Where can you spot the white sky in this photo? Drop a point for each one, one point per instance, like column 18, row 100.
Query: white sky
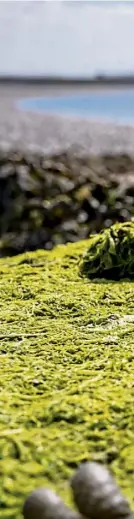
column 67, row 38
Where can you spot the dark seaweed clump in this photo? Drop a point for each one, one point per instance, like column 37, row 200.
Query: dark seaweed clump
column 111, row 253
column 45, row 201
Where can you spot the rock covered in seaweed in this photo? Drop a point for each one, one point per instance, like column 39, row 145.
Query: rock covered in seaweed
column 110, row 253
column 49, row 199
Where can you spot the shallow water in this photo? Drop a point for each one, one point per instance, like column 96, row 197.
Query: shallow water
column 115, row 105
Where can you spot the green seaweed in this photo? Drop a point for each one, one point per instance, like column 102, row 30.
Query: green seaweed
column 111, row 253
column 66, row 375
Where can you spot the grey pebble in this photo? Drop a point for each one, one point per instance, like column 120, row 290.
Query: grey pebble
column 97, row 495
column 43, row 503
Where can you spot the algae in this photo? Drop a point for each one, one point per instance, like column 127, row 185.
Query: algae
column 66, row 374
column 111, row 253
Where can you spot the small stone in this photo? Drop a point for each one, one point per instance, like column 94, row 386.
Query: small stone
column 97, row 495
column 6, row 170
column 45, row 504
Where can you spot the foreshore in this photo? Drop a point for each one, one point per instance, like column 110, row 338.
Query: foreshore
column 51, row 134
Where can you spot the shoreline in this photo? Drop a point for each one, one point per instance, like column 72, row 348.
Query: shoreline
column 49, row 134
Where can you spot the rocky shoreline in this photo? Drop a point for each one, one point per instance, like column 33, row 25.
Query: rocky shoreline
column 46, row 200
column 51, row 134
column 61, row 178
column 48, row 134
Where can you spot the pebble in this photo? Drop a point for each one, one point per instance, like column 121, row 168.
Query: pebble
column 97, row 495
column 45, row 504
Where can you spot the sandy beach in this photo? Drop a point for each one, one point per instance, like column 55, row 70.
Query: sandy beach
column 53, row 134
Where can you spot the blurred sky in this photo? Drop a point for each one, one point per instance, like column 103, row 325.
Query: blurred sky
column 66, row 37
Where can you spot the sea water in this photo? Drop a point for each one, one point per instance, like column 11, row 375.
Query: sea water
column 106, row 104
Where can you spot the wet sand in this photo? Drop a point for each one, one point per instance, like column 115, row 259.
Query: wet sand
column 50, row 134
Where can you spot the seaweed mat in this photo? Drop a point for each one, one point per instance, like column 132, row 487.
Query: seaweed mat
column 66, row 374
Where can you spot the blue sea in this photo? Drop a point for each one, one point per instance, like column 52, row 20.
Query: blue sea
column 114, row 105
